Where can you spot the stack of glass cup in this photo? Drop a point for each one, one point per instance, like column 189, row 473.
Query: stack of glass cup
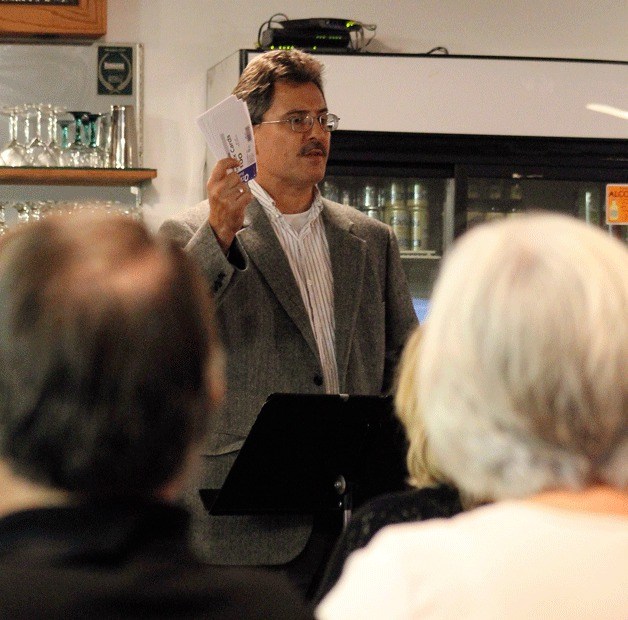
column 45, row 135
column 23, row 211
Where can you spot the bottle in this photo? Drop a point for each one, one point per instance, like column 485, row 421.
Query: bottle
column 613, row 211
column 495, row 191
column 473, row 190
column 516, row 193
column 589, row 205
column 346, row 198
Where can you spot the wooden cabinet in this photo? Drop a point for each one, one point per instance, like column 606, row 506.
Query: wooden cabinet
column 70, row 19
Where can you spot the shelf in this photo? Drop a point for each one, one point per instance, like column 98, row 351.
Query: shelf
column 420, row 255
column 75, row 176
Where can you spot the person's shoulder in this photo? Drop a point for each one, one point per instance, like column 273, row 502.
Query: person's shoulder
column 413, row 504
column 178, row 588
column 360, row 221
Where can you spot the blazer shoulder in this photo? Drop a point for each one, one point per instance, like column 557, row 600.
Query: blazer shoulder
column 355, row 216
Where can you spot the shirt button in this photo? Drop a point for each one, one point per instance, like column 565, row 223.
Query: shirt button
column 318, row 380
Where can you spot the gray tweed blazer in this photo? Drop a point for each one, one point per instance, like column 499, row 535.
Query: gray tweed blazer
column 271, row 348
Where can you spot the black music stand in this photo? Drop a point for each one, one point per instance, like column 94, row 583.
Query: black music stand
column 311, row 453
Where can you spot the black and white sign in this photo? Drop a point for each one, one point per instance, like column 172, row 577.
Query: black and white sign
column 115, row 70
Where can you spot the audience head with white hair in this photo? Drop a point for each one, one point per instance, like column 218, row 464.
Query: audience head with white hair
column 519, row 389
column 523, row 376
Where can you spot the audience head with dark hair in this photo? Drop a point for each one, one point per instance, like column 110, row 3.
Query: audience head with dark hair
column 109, row 363
column 110, row 371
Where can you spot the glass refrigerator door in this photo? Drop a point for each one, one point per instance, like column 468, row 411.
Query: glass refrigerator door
column 431, row 188
column 418, row 209
column 487, row 193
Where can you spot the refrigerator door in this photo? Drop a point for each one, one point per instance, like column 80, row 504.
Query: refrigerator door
column 485, row 193
column 419, row 210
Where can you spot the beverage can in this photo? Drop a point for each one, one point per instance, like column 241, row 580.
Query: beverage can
column 419, row 231
column 375, row 212
column 367, row 197
column 417, row 193
column 400, row 223
column 418, row 208
column 396, row 193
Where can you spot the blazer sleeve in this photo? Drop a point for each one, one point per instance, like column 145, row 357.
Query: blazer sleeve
column 193, row 233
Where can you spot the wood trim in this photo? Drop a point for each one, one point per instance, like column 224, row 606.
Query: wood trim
column 75, row 176
column 87, row 20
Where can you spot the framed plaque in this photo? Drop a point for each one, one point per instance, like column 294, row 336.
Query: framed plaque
column 40, row 19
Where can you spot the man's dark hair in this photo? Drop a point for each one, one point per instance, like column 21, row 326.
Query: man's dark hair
column 257, row 82
column 106, row 340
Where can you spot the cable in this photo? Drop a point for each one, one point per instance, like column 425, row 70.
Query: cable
column 439, row 50
column 268, row 24
column 371, row 28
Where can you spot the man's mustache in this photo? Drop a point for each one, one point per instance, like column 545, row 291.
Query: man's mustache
column 314, row 145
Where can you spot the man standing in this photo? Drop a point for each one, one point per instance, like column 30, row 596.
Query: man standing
column 311, row 296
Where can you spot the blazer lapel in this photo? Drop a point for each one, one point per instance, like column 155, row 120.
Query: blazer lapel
column 348, row 258
column 264, row 250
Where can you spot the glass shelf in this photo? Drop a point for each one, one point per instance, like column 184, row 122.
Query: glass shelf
column 420, row 255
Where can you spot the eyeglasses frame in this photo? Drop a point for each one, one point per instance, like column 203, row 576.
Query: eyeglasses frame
column 335, row 120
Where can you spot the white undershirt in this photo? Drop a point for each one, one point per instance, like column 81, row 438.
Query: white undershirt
column 302, row 237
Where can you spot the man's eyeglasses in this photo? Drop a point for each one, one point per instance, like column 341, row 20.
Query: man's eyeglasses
column 304, row 122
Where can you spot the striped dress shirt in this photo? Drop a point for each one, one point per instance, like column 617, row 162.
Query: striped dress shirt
column 305, row 245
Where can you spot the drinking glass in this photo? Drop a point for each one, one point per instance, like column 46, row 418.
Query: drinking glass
column 53, row 113
column 104, row 138
column 38, row 152
column 96, row 155
column 65, row 155
column 3, row 220
column 77, row 154
column 13, row 153
column 23, row 212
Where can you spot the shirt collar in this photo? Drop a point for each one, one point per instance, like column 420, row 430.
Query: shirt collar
column 269, row 206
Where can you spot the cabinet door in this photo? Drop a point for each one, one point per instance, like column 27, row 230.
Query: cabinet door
column 68, row 19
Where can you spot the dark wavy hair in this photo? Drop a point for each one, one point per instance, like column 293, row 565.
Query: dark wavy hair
column 257, row 82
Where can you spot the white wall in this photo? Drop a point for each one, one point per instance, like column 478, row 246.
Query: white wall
column 183, row 38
